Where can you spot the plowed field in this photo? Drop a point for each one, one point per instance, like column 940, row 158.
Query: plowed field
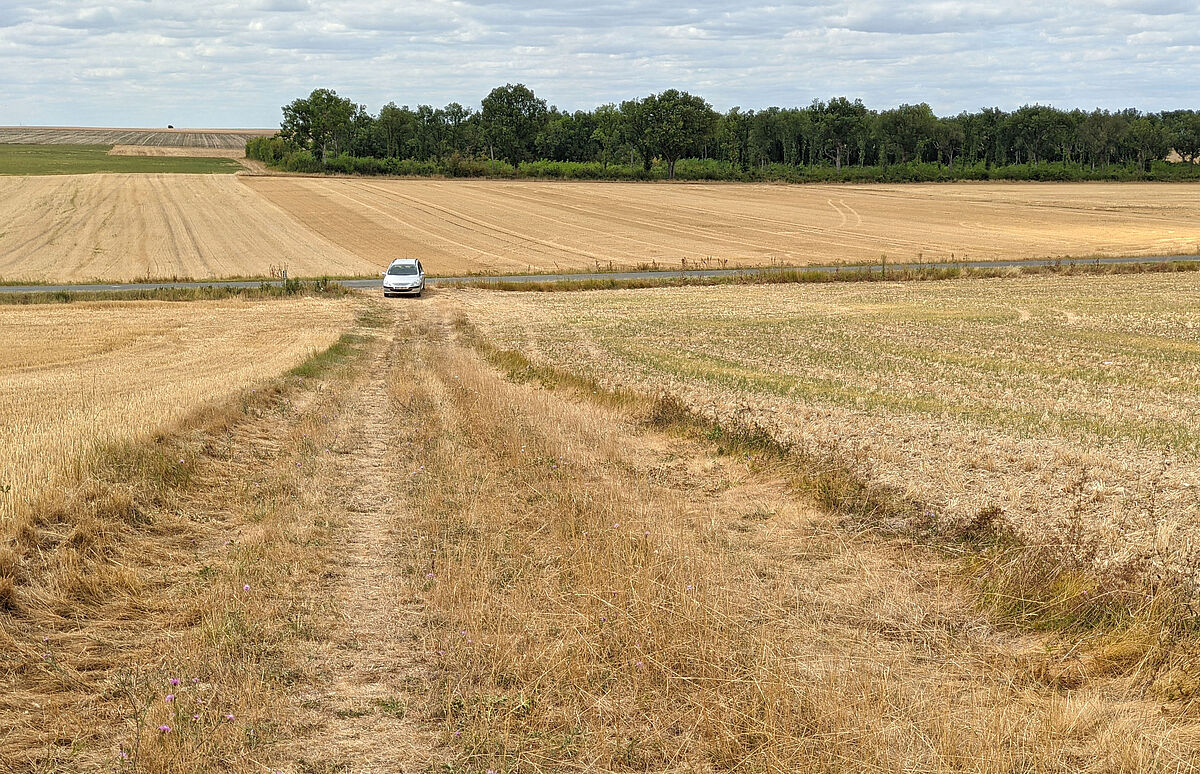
column 123, row 227
column 465, row 226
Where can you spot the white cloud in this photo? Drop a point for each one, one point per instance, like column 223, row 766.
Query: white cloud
column 229, row 63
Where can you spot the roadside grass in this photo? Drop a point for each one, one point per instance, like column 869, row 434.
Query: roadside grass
column 289, row 289
column 88, row 159
column 1130, row 627
column 150, row 611
column 852, row 273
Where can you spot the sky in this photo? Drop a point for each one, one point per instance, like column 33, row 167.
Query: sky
column 148, row 63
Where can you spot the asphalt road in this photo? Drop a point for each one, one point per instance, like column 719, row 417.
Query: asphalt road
column 618, row 275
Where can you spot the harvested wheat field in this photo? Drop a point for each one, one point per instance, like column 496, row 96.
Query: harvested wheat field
column 76, row 228
column 492, row 226
column 172, row 151
column 183, row 138
column 75, row 378
column 1069, row 404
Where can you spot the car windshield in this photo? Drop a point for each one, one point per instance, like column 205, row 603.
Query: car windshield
column 403, row 268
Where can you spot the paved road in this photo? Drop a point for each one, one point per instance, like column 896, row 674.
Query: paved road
column 619, row 275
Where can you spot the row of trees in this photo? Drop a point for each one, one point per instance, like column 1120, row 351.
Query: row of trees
column 514, row 125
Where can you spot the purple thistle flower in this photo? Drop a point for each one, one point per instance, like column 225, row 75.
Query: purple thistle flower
column 229, row 716
column 165, row 729
column 246, row 587
column 429, row 575
column 174, row 681
column 169, row 698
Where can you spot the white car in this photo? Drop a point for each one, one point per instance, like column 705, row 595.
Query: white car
column 405, row 275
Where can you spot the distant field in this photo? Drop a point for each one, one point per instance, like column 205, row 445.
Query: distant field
column 494, row 226
column 171, row 151
column 202, row 138
column 74, row 377
column 124, row 227
column 1068, row 403
column 88, row 159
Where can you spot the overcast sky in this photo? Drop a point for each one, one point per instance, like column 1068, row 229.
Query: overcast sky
column 233, row 64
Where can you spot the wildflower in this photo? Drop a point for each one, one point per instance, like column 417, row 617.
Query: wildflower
column 45, row 639
column 647, row 533
column 618, row 524
column 169, row 698
column 246, row 587
column 165, row 729
column 429, row 575
column 229, row 716
column 195, row 717
column 124, row 755
column 690, row 587
column 638, row 664
column 181, row 461
column 174, row 681
column 195, row 679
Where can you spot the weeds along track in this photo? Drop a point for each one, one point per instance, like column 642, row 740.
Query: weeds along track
column 166, row 603
column 1067, row 404
column 599, row 595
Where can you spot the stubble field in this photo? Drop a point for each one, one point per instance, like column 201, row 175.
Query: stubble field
column 76, row 378
column 494, row 226
column 1069, row 404
column 117, row 227
column 76, row 228
column 182, row 138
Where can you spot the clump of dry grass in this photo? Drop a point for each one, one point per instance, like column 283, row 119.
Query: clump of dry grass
column 597, row 600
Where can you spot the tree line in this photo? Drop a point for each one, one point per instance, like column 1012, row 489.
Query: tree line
column 513, row 129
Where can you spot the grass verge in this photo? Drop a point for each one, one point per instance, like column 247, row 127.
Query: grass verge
column 898, row 273
column 291, row 288
column 16, row 159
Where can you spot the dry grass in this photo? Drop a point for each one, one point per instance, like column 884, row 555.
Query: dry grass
column 181, row 138
column 155, row 604
column 1068, row 404
column 493, row 226
column 601, row 597
column 95, row 375
column 78, row 228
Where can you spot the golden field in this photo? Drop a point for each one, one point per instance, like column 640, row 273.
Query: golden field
column 81, row 377
column 125, row 227
column 1069, row 404
column 78, row 228
column 496, row 226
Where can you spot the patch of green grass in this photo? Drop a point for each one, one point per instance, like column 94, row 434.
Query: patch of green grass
column 85, row 159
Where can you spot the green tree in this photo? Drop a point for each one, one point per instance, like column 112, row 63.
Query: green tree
column 948, row 138
column 907, row 130
column 676, row 123
column 320, row 123
column 1150, row 140
column 841, row 123
column 511, row 119
column 609, row 133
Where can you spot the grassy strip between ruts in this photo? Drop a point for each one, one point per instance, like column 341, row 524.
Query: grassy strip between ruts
column 149, row 614
column 1116, row 627
column 877, row 273
column 87, row 159
column 290, row 288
